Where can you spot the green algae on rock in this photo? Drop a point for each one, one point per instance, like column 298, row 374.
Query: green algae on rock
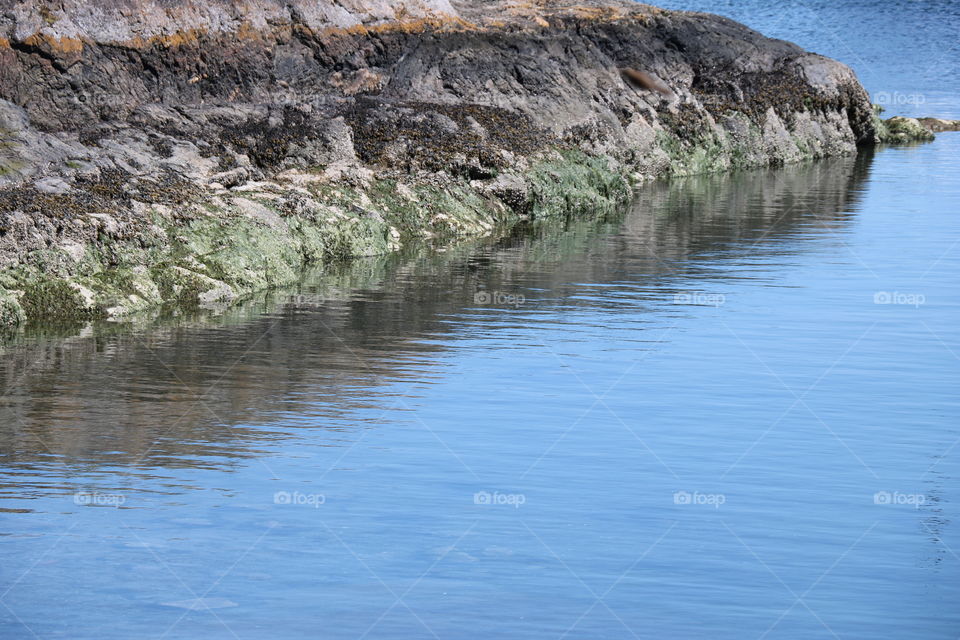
column 903, row 130
column 213, row 254
column 12, row 313
column 900, row 130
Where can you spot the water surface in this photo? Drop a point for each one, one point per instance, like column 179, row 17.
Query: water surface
column 729, row 413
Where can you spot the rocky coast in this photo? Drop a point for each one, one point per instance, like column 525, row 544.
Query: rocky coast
column 193, row 152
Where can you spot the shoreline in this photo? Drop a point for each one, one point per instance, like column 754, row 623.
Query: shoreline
column 548, row 245
column 205, row 196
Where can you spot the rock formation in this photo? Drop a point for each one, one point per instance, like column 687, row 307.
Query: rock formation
column 156, row 151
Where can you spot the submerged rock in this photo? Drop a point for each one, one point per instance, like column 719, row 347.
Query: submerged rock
column 210, row 149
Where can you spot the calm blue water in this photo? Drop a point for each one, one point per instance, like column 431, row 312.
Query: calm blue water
column 731, row 413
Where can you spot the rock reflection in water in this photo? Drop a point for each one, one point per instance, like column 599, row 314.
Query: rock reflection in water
column 204, row 391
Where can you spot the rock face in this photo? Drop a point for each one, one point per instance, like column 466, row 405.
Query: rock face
column 153, row 151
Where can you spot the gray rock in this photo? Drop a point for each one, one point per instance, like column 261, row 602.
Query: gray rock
column 939, row 124
column 52, row 185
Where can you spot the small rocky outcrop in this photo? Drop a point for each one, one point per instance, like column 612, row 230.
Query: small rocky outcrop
column 936, row 125
column 899, row 129
column 195, row 151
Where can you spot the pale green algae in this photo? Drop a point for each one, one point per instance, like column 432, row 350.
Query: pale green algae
column 223, row 255
column 219, row 257
column 576, row 184
column 899, row 129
